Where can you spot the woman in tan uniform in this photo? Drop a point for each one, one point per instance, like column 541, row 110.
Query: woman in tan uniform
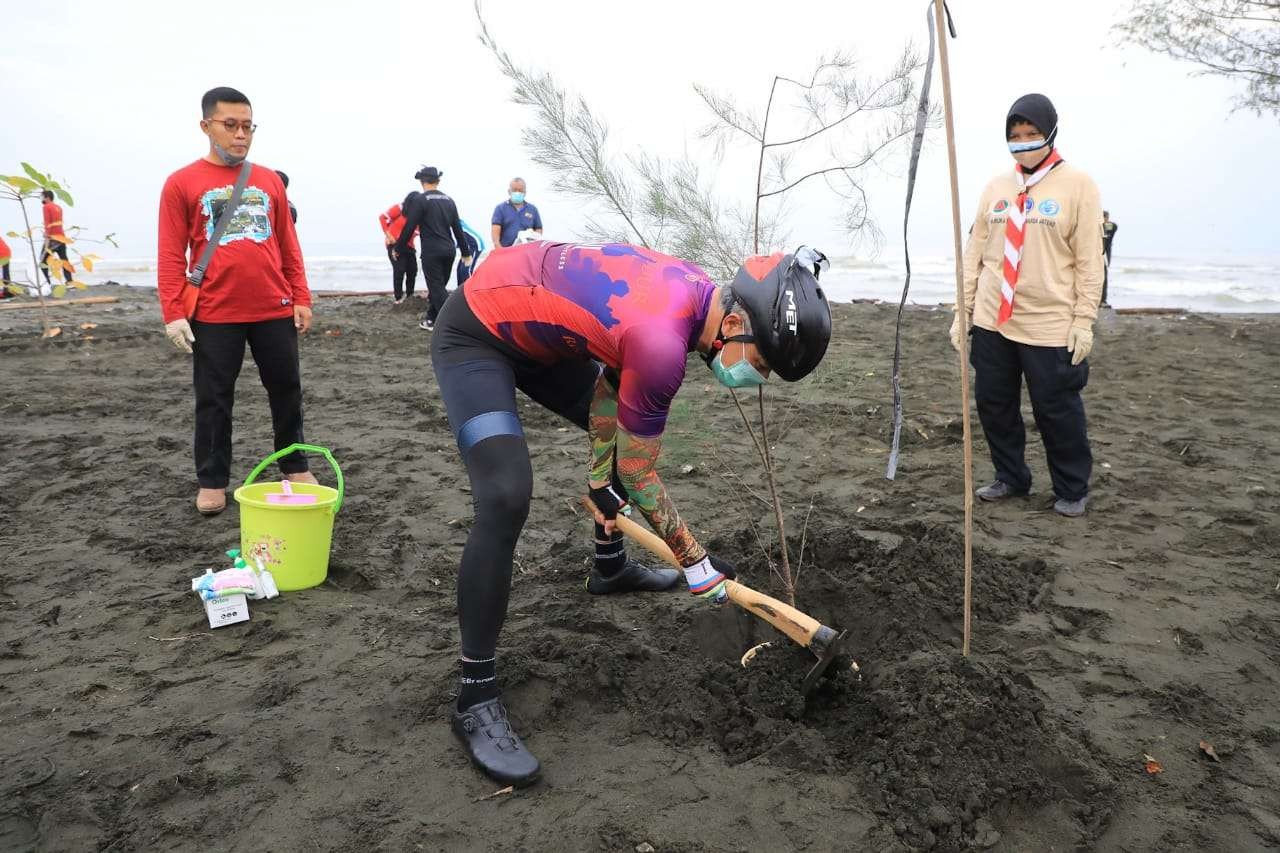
column 1033, row 281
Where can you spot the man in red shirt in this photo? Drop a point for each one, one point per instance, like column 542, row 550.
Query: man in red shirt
column 254, row 290
column 404, row 264
column 55, row 239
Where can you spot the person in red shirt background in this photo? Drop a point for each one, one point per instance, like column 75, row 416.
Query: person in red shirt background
column 55, row 239
column 5, row 255
column 254, row 291
column 404, row 264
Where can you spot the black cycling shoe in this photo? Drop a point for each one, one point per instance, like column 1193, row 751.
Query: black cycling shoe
column 494, row 746
column 634, row 577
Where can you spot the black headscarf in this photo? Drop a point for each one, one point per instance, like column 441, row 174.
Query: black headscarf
column 1038, row 110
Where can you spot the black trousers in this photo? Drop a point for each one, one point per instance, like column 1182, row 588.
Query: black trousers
column 435, row 274
column 478, row 376
column 51, row 248
column 1054, row 385
column 218, row 355
column 404, row 271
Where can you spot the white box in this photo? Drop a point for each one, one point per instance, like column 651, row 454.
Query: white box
column 227, row 611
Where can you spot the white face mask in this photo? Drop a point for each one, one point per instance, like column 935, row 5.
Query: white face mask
column 1030, row 159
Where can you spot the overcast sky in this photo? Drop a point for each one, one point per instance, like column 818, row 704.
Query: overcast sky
column 352, row 98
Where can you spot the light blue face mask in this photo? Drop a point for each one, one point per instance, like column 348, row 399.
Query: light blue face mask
column 1033, row 145
column 742, row 374
column 1024, row 147
column 517, row 198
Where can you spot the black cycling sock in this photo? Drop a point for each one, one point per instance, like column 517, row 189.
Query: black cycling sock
column 611, row 552
column 477, row 683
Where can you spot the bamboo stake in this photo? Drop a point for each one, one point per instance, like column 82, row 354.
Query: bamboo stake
column 964, row 326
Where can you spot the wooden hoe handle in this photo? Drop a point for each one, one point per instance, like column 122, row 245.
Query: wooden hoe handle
column 796, row 625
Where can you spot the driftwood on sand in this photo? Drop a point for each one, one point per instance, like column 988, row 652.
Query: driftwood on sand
column 58, row 303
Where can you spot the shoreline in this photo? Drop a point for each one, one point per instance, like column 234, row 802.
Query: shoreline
column 30, row 303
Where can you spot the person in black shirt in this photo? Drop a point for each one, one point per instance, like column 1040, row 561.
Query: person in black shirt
column 1109, row 230
column 439, row 230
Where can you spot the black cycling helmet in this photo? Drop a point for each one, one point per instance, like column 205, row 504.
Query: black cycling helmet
column 790, row 316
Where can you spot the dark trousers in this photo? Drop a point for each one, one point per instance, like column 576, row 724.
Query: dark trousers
column 51, row 248
column 404, row 271
column 478, row 375
column 1106, row 273
column 4, row 279
column 219, row 352
column 463, row 271
column 1054, row 385
column 435, row 273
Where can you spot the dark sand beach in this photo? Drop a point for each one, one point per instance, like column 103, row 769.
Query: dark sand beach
column 1141, row 630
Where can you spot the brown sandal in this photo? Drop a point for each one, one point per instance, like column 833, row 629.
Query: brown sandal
column 211, row 501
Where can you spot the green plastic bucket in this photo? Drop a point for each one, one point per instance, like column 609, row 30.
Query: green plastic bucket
column 291, row 540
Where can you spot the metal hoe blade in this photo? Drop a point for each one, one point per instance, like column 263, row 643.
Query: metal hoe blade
column 826, row 645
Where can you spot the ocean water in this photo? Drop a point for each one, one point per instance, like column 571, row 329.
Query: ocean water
column 1226, row 286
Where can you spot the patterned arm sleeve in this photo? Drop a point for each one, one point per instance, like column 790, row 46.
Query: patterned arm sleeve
column 653, row 363
column 637, row 468
column 602, row 428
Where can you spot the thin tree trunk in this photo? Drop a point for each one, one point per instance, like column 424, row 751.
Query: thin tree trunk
column 788, row 585
column 44, row 313
column 764, row 136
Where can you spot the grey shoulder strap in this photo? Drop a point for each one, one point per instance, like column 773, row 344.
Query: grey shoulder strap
column 220, row 227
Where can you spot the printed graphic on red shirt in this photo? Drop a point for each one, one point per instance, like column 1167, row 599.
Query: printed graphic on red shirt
column 250, row 221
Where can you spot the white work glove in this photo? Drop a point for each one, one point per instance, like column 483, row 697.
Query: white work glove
column 708, row 578
column 956, row 331
column 179, row 331
column 1080, row 342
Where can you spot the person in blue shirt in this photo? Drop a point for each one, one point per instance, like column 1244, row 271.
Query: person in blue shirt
column 514, row 215
column 475, row 245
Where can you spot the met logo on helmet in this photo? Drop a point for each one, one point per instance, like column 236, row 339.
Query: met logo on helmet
column 789, row 316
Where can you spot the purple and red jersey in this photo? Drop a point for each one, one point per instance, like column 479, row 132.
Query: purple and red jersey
column 635, row 310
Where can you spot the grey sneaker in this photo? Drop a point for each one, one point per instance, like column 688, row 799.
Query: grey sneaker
column 1071, row 509
column 998, row 491
column 427, row 325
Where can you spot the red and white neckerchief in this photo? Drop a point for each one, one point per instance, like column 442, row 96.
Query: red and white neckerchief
column 1015, row 230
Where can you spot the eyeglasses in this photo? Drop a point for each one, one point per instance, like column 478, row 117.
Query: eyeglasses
column 232, row 125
